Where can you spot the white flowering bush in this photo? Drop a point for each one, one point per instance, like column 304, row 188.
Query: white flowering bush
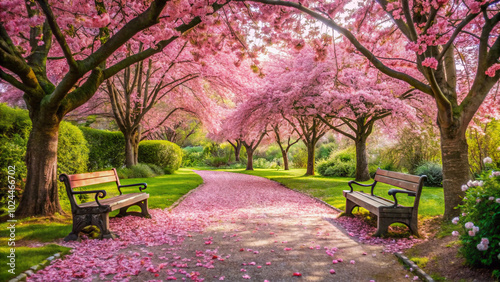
column 480, row 222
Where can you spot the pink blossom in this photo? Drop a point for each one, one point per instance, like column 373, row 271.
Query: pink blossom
column 352, row 262
column 487, row 160
column 469, row 225
column 472, row 233
column 497, row 200
column 482, row 247
column 475, row 228
column 491, row 198
column 246, row 276
column 492, row 70
column 332, row 271
column 430, row 62
column 268, row 263
column 465, row 187
column 485, row 241
column 455, row 233
column 335, row 261
column 455, row 220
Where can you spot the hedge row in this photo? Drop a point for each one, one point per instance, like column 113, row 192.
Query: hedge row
column 106, row 148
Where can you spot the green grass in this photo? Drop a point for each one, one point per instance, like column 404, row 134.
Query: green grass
column 163, row 192
column 26, row 257
column 329, row 189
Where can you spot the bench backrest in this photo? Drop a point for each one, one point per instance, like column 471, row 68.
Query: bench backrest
column 402, row 180
column 86, row 179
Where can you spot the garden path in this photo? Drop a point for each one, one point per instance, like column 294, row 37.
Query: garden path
column 233, row 227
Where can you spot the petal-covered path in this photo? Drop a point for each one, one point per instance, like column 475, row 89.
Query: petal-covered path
column 233, row 227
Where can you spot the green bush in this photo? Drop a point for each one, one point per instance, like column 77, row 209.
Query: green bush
column 72, row 150
column 156, row 169
column 215, row 161
column 434, row 174
column 324, row 150
column 341, row 163
column 106, row 148
column 192, row 156
column 124, row 173
column 299, row 157
column 141, row 171
column 264, row 163
column 162, row 153
column 480, row 231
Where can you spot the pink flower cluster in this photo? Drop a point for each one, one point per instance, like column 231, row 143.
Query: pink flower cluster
column 430, row 63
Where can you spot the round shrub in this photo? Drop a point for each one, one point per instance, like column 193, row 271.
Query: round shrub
column 162, row 153
column 72, row 151
column 434, row 174
column 156, row 169
column 479, row 229
column 341, row 163
column 106, row 148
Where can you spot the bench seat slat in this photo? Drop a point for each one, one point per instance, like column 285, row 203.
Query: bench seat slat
column 118, row 201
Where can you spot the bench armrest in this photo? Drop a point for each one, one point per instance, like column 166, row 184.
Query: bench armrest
column 393, row 192
column 142, row 186
column 98, row 194
column 364, row 185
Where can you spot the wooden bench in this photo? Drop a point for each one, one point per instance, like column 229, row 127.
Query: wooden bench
column 388, row 212
column 97, row 212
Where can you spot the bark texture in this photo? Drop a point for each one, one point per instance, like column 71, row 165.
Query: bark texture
column 362, row 172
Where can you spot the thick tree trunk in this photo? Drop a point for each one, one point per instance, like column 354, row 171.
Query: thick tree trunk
column 284, row 153
column 310, row 158
column 362, row 173
column 40, row 196
column 455, row 157
column 249, row 159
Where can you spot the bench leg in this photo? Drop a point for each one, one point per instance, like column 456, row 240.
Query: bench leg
column 80, row 221
column 105, row 232
column 144, row 210
column 382, row 226
column 349, row 206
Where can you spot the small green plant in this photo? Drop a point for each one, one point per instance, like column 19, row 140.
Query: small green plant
column 434, row 174
column 480, row 231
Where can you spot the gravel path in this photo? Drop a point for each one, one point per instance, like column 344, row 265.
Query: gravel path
column 234, row 227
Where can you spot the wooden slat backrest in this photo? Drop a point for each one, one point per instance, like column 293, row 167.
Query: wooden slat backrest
column 401, row 180
column 92, row 178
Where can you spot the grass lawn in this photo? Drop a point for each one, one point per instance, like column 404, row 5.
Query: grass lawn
column 329, row 189
column 163, row 192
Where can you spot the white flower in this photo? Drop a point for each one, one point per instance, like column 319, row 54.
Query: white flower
column 487, row 160
column 455, row 233
column 469, row 183
column 469, row 225
column 465, row 187
column 475, row 228
column 497, row 200
column 480, row 183
column 491, row 198
column 455, row 220
column 475, row 183
column 482, row 247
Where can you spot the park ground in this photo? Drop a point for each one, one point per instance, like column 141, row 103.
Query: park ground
column 435, row 252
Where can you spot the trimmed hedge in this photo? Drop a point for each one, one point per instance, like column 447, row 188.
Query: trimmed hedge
column 162, row 153
column 107, row 148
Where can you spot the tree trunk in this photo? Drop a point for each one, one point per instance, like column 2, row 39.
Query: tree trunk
column 40, row 196
column 362, row 173
column 249, row 159
column 455, row 157
column 132, row 140
column 237, row 150
column 284, row 153
column 310, row 158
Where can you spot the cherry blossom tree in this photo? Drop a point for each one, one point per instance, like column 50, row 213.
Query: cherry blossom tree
column 137, row 89
column 449, row 41
column 57, row 78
